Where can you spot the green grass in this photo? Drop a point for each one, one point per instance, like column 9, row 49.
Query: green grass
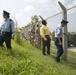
column 28, row 60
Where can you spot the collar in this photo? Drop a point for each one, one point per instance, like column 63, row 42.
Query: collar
column 7, row 19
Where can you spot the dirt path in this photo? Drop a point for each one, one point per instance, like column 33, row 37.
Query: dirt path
column 72, row 49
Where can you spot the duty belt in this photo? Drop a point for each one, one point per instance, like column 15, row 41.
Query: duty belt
column 6, row 33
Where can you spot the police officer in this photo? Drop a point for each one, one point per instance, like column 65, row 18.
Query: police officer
column 58, row 39
column 45, row 32
column 0, row 32
column 7, row 30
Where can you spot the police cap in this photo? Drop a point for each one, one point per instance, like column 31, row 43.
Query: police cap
column 64, row 21
column 5, row 12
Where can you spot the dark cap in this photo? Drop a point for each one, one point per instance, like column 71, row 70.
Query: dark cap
column 64, row 21
column 5, row 12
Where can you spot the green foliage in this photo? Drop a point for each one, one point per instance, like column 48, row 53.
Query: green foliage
column 17, row 39
column 28, row 60
column 34, row 19
column 71, row 39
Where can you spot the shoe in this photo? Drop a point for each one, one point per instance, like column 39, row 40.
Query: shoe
column 44, row 54
column 48, row 53
column 57, row 60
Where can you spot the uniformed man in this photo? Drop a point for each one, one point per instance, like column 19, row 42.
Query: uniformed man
column 0, row 32
column 38, row 37
column 45, row 32
column 58, row 39
column 7, row 30
column 33, row 35
column 29, row 34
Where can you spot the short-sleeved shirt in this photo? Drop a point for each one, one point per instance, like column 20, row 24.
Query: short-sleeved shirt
column 44, row 30
column 7, row 26
column 58, row 31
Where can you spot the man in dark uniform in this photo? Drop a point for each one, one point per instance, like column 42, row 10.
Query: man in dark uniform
column 58, row 39
column 45, row 34
column 7, row 30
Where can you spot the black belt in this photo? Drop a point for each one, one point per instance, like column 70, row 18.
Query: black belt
column 57, row 38
column 6, row 33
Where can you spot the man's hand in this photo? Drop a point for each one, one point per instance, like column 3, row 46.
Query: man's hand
column 13, row 37
column 60, row 43
column 65, row 33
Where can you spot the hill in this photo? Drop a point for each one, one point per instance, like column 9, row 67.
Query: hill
column 28, row 60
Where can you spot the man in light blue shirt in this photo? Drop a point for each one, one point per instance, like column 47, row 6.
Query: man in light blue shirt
column 58, row 39
column 7, row 30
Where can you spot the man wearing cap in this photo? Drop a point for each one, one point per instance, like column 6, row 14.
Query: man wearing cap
column 7, row 30
column 45, row 34
column 58, row 39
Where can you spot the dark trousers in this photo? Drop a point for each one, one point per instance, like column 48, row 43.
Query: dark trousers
column 7, row 39
column 59, row 49
column 46, row 44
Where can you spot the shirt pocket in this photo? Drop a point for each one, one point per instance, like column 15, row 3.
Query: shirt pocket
column 7, row 26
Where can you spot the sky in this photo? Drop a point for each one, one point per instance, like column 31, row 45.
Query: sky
column 23, row 10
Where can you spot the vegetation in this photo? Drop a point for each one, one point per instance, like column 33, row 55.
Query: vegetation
column 71, row 42
column 28, row 60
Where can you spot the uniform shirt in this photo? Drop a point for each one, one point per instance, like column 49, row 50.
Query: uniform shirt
column 6, row 26
column 0, row 30
column 37, row 30
column 44, row 30
column 58, row 31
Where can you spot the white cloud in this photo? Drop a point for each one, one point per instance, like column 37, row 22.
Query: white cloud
column 19, row 15
column 1, row 17
column 42, row 2
column 29, row 11
column 30, row 1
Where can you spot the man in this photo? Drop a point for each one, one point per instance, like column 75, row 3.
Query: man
column 38, row 37
column 58, row 39
column 0, row 31
column 29, row 34
column 45, row 32
column 7, row 30
column 33, row 35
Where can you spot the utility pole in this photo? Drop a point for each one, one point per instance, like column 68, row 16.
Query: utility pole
column 64, row 15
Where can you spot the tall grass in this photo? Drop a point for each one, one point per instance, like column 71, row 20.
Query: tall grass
column 28, row 60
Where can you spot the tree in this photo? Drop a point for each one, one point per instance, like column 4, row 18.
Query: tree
column 34, row 19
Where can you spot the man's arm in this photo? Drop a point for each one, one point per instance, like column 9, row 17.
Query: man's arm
column 58, row 36
column 59, row 39
column 13, row 29
column 42, row 34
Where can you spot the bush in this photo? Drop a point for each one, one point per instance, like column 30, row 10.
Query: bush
column 71, row 39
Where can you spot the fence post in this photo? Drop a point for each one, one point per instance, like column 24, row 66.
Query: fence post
column 64, row 14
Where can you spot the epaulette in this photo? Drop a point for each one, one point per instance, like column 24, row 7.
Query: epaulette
column 10, row 19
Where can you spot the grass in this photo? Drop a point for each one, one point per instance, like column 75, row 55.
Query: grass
column 28, row 60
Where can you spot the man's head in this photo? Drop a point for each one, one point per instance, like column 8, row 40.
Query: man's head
column 64, row 22
column 33, row 26
column 38, row 25
column 6, row 14
column 44, row 22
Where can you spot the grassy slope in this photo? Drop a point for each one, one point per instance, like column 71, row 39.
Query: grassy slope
column 28, row 60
